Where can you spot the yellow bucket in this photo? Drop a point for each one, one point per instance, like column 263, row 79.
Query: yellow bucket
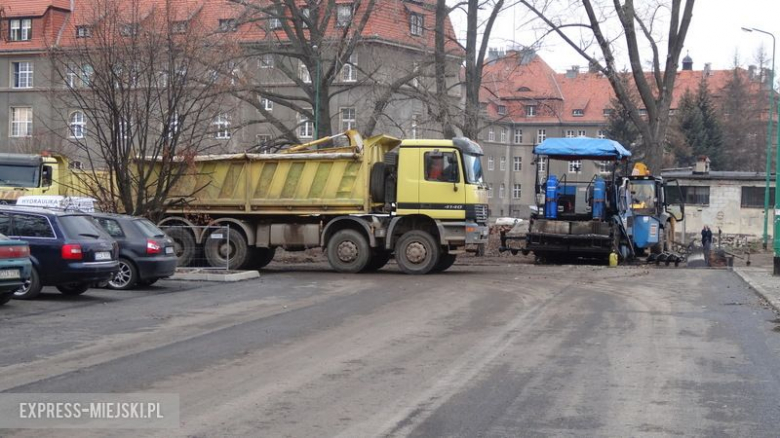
column 613, row 260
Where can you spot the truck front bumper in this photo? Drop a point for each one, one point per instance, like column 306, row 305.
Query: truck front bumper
column 463, row 233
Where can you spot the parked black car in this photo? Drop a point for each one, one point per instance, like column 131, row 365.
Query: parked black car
column 67, row 250
column 146, row 254
column 15, row 267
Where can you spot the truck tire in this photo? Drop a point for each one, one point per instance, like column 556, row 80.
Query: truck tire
column 378, row 261
column 377, row 182
column 184, row 245
column 261, row 257
column 417, row 252
column 227, row 252
column 445, row 262
column 348, row 251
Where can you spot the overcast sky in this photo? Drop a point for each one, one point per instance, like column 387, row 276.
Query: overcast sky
column 714, row 36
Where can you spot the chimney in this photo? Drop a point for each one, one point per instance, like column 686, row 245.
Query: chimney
column 492, row 54
column 527, row 55
column 702, row 166
column 593, row 67
column 573, row 72
column 707, row 69
column 765, row 73
column 687, row 62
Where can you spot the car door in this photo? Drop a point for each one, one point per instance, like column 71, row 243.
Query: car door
column 115, row 230
column 45, row 248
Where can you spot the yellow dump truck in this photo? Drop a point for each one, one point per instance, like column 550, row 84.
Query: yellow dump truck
column 422, row 200
column 25, row 175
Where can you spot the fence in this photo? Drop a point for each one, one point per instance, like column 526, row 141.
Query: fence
column 202, row 246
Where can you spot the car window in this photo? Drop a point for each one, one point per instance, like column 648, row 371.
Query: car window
column 111, row 226
column 149, row 229
column 32, row 226
column 5, row 224
column 80, row 225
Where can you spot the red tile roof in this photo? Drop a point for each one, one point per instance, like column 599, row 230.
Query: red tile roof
column 32, row 8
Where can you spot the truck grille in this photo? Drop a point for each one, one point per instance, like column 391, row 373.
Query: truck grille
column 477, row 212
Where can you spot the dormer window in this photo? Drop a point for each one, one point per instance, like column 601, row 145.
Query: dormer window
column 83, row 31
column 578, row 113
column 608, row 112
column 179, row 27
column 502, row 110
column 416, row 24
column 642, row 111
column 523, row 89
column 20, row 29
column 530, row 110
column 129, row 30
column 228, row 25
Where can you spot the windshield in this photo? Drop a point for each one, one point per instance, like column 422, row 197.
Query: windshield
column 149, row 229
column 473, row 168
column 19, row 176
column 643, row 195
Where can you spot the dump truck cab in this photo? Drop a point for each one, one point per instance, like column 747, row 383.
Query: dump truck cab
column 24, row 174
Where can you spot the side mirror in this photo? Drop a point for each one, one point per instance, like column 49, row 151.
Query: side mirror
column 46, row 176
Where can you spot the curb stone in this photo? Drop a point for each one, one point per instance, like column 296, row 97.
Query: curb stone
column 758, row 289
column 215, row 276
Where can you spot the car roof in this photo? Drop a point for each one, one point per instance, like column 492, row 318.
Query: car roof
column 40, row 210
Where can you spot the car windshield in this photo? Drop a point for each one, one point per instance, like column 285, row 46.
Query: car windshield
column 643, row 196
column 473, row 168
column 80, row 226
column 149, row 229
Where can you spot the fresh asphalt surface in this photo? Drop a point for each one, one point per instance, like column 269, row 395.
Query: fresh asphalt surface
column 495, row 350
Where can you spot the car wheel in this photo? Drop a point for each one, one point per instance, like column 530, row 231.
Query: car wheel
column 72, row 289
column 417, row 252
column 126, row 277
column 31, row 287
column 348, row 251
column 5, row 298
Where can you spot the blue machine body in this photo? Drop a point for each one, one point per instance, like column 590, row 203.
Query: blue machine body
column 599, row 197
column 645, row 231
column 551, row 198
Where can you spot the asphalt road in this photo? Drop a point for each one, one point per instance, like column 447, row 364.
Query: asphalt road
column 496, row 350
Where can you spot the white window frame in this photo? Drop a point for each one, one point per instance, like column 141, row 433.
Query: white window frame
column 602, row 133
column 504, row 135
column 274, row 23
column 21, row 128
column 530, row 110
column 577, row 113
column 77, row 125
column 582, row 133
column 491, row 134
column 267, row 61
column 490, row 190
column 517, row 164
column 416, row 24
column 305, row 127
column 344, row 14
column 491, row 163
column 222, row 123
column 348, row 118
column 349, row 70
column 415, row 118
column 541, row 135
column 570, row 133
column 501, row 110
column 267, row 104
column 83, row 31
column 517, row 191
column 22, row 79
column 173, row 128
column 518, row 136
column 303, row 73
column 575, row 166
column 20, row 29
column 502, row 163
column 501, row 191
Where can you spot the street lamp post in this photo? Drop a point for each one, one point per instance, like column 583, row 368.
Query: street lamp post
column 769, row 141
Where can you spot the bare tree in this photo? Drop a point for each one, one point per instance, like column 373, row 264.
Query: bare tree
column 140, row 81
column 639, row 28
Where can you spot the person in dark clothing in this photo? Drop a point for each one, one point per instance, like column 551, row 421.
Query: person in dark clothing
column 706, row 243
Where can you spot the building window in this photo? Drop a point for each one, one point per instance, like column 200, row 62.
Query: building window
column 581, row 133
column 603, row 166
column 753, row 197
column 570, row 133
column 414, row 126
column 274, row 22
column 179, row 27
column 541, row 135
column 416, row 24
column 20, row 29
column 348, row 119
column 517, row 164
column 343, row 15
column 21, row 122
column 78, row 124
column 23, row 75
column 305, row 126
column 303, row 73
column 502, row 110
column 267, row 61
column 518, row 136
column 608, row 112
column 490, row 190
column 491, row 163
column 349, row 70
column 305, row 17
column 578, row 113
column 267, row 105
column 222, row 124
column 173, row 125
column 642, row 111
column 530, row 110
column 129, row 29
column 602, row 133
column 501, row 190
column 502, row 163
column 83, row 31
column 542, row 165
column 504, row 135
column 696, row 195
column 263, row 140
column 491, row 134
column 575, row 166
column 516, row 191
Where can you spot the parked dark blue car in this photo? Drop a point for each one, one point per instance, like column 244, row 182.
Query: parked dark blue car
column 68, row 250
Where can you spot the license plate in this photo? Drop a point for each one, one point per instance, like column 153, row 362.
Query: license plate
column 169, row 250
column 9, row 273
column 217, row 236
column 103, row 255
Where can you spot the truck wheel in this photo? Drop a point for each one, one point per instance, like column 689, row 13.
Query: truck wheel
column 31, row 287
column 183, row 244
column 261, row 257
column 226, row 252
column 417, row 252
column 445, row 262
column 348, row 251
column 377, row 182
column 378, row 260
